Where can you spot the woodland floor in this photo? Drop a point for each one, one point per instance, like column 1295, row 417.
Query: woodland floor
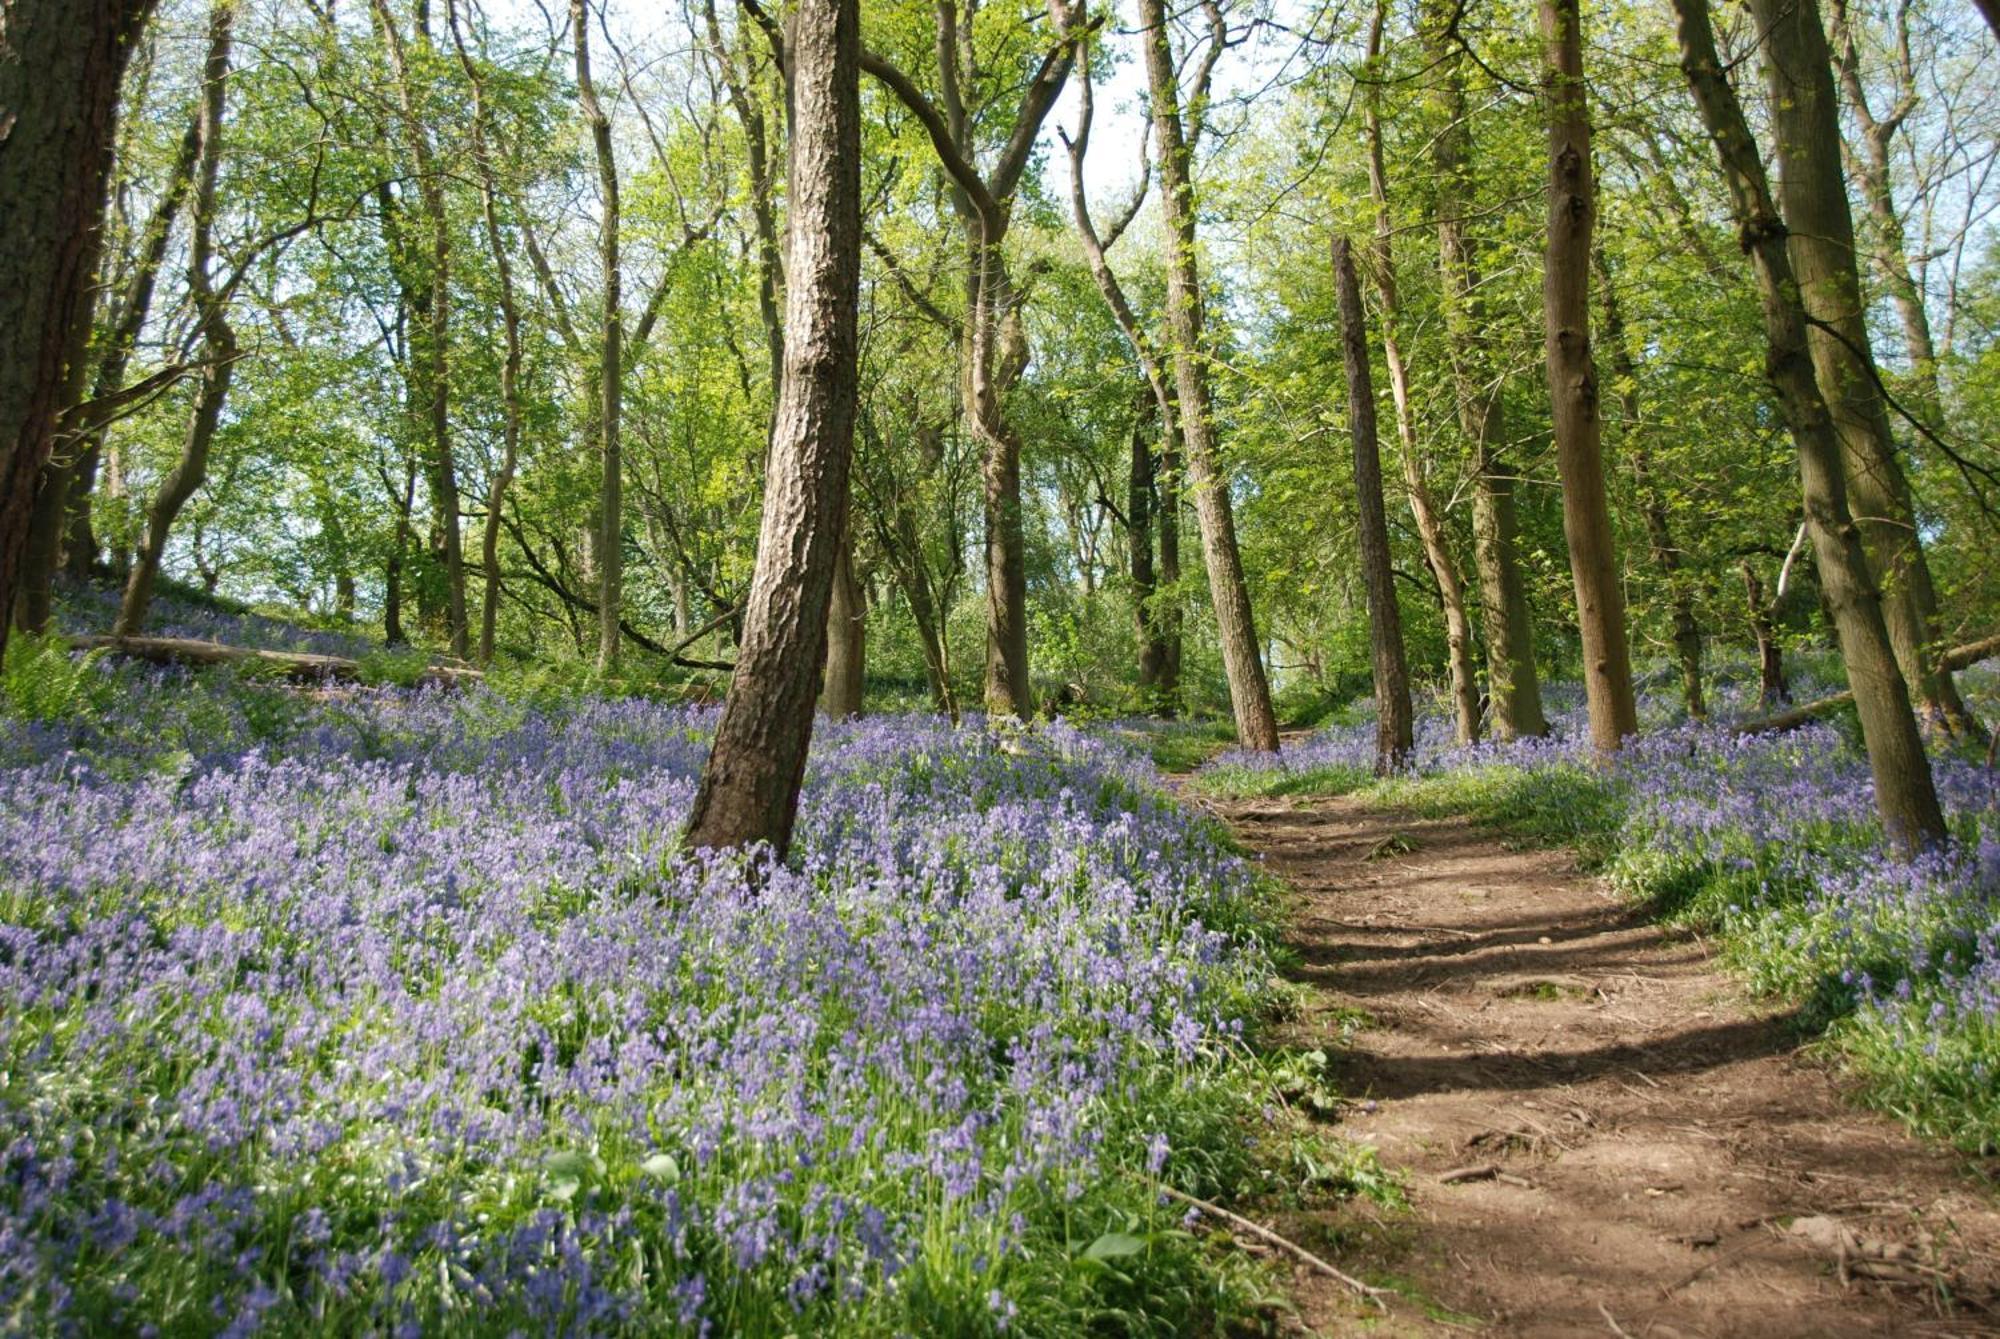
column 1655, row 1153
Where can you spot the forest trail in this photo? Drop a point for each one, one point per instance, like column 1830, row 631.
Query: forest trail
column 1645, row 1151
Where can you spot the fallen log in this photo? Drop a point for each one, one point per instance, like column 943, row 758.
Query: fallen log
column 302, row 666
column 1950, row 662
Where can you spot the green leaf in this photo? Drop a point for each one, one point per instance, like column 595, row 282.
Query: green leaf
column 1113, row 1246
column 662, row 1167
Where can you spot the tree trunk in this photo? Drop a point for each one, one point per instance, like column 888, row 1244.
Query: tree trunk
column 1805, row 119
column 611, row 362
column 1904, row 792
column 1139, row 548
column 1572, row 375
column 1512, row 679
column 1169, row 613
column 1394, row 725
column 433, row 383
column 1008, row 691
column 1666, row 555
column 1249, row 690
column 60, row 68
column 750, row 788
column 1438, row 556
column 1773, row 688
column 218, row 338
column 393, row 633
column 846, row 636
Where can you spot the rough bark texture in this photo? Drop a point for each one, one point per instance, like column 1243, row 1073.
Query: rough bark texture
column 1812, row 187
column 1665, row 554
column 60, row 67
column 1438, row 555
column 218, row 338
column 750, row 788
column 1572, row 374
column 1249, row 689
column 1394, row 720
column 1139, row 549
column 846, row 637
column 611, row 358
column 1512, row 680
column 1904, row 792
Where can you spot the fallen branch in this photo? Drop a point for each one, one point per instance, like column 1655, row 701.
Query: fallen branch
column 1950, row 662
column 1266, row 1235
column 304, row 666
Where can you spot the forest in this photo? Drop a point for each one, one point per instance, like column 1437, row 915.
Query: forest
column 785, row 667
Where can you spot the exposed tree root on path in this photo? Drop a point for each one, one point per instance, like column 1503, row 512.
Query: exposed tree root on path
column 1665, row 1159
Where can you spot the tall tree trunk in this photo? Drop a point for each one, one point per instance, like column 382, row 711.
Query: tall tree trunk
column 846, row 635
column 1773, row 688
column 1169, row 616
column 60, row 68
column 393, row 632
column 1008, row 691
column 750, row 788
column 1438, row 555
column 1512, row 679
column 1394, row 724
column 1805, row 118
column 1249, row 689
column 611, row 362
column 434, row 324
column 1139, row 547
column 1666, row 554
column 1572, row 374
column 218, row 338
column 1904, row 792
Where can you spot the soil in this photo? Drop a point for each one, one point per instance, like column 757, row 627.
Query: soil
column 1644, row 1149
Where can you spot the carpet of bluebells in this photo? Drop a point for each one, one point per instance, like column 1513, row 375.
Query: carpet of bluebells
column 393, row 1011
column 1772, row 840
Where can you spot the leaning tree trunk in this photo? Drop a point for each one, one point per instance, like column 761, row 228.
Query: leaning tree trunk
column 1812, row 186
column 1572, row 374
column 1512, row 679
column 60, row 67
column 1438, row 556
column 611, row 361
column 1394, row 727
column 1904, row 792
column 750, row 788
column 218, row 338
column 1236, row 628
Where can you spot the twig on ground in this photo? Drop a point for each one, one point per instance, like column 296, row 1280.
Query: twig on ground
column 1612, row 1321
column 1265, row 1234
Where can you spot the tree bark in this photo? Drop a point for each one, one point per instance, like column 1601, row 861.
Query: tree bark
column 846, row 636
column 433, row 383
column 1904, row 792
column 611, row 361
column 1812, row 188
column 1512, row 679
column 1394, row 722
column 1249, row 689
column 60, row 69
column 1139, row 548
column 218, row 338
column 1773, row 687
column 750, row 788
column 1573, row 393
column 1666, row 554
column 1438, row 555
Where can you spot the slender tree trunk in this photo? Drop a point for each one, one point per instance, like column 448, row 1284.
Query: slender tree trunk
column 1139, row 548
column 1666, row 554
column 1169, row 613
column 434, row 381
column 60, row 68
column 1805, row 119
column 611, row 361
column 1512, row 679
column 1008, row 691
column 1394, row 723
column 1438, row 556
column 750, row 788
column 1572, row 374
column 393, row 633
column 1904, row 792
column 1249, row 690
column 1773, row 688
column 218, row 339
column 846, row 636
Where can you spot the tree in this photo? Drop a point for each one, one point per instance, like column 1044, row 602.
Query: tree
column 1812, row 189
column 1904, row 792
column 610, row 378
column 1394, row 723
column 1249, row 689
column 749, row 789
column 1573, row 394
column 60, row 69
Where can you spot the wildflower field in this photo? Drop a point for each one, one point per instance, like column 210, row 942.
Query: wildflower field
column 1771, row 841
column 394, row 1011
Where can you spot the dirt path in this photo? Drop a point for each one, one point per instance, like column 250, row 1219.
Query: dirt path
column 1654, row 1157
